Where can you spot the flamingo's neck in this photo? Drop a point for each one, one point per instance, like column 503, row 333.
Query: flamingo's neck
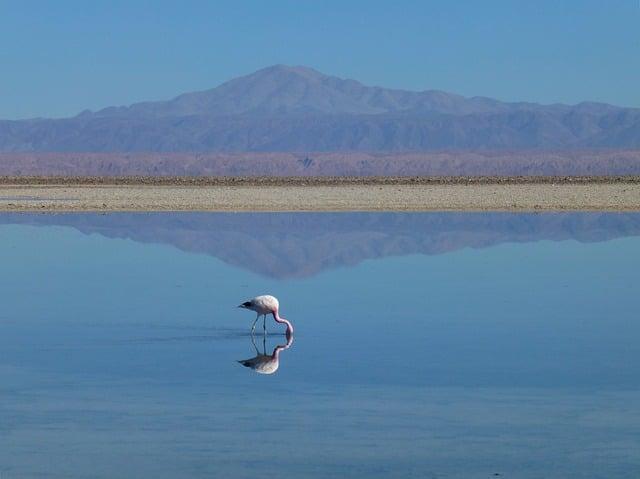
column 278, row 319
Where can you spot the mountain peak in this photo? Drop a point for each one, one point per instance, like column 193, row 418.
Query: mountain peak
column 297, row 108
column 274, row 90
column 300, row 90
column 281, row 89
column 280, row 69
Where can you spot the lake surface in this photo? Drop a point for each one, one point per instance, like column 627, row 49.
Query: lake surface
column 436, row 345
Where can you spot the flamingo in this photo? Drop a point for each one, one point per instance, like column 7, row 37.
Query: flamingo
column 263, row 363
column 263, row 305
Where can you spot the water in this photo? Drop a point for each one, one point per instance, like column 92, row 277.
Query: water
column 427, row 345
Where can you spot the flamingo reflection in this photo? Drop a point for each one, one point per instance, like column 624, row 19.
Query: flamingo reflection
column 263, row 363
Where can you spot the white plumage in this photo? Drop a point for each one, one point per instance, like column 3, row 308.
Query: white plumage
column 262, row 305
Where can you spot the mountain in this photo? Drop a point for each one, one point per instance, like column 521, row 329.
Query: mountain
column 286, row 109
column 283, row 90
column 289, row 245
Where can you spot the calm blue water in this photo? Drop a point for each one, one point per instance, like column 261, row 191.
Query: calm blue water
column 427, row 345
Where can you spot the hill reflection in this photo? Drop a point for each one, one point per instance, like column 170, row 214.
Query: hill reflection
column 288, row 245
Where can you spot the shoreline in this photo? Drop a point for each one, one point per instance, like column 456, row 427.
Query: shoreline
column 103, row 194
column 310, row 180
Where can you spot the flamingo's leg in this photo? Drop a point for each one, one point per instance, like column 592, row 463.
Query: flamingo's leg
column 264, row 324
column 253, row 327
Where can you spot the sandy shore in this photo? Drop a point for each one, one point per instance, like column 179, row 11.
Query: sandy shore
column 406, row 194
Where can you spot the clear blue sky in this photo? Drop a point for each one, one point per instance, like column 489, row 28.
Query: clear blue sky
column 58, row 58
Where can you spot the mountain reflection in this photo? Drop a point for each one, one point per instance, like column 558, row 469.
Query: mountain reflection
column 290, row 245
column 264, row 363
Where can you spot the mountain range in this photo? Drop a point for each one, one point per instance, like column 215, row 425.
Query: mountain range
column 298, row 109
column 297, row 245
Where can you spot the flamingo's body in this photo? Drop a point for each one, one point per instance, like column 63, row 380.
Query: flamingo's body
column 265, row 364
column 263, row 305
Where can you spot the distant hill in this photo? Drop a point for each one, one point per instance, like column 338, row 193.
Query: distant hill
column 297, row 109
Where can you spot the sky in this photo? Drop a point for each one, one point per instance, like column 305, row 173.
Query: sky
column 59, row 58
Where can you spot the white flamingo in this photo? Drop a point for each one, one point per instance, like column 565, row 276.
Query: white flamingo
column 263, row 305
